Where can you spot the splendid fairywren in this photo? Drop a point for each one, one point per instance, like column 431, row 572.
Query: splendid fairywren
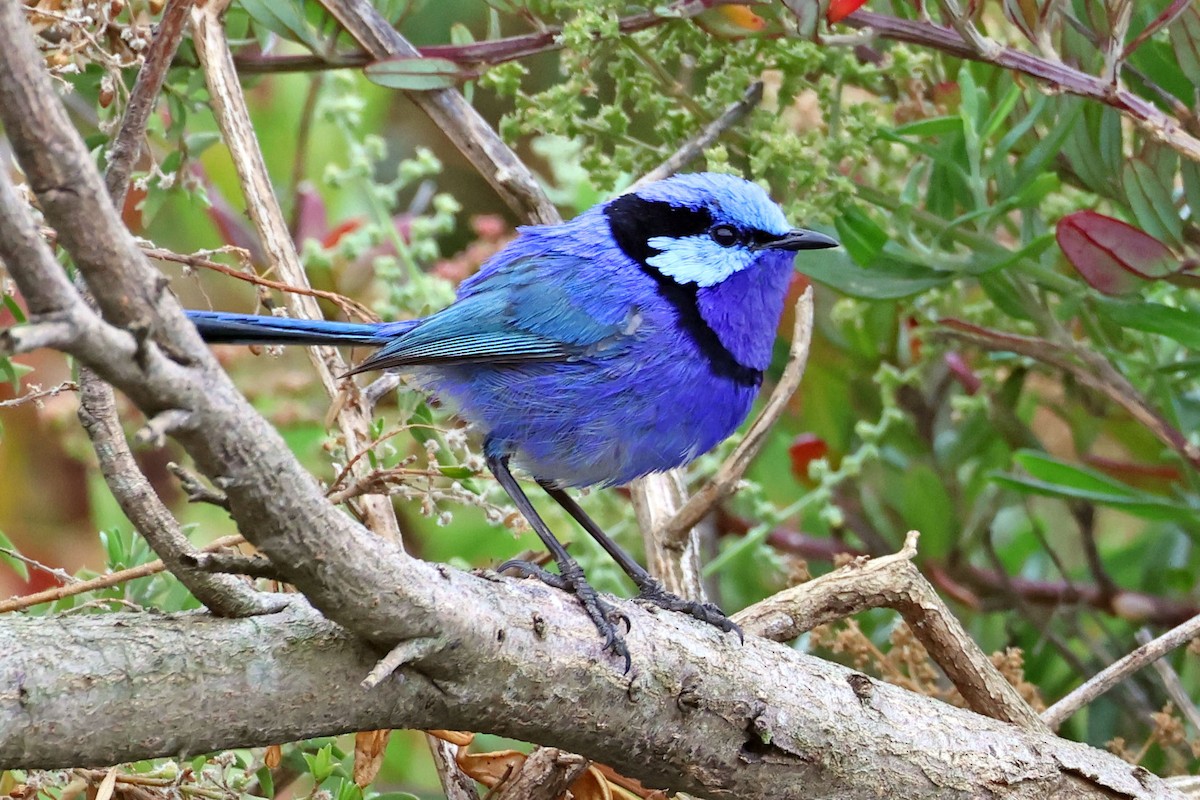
column 629, row 340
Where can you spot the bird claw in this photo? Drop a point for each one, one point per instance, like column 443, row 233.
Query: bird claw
column 530, row 570
column 705, row 612
column 601, row 613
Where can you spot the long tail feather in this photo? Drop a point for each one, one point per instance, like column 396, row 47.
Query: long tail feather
column 218, row 327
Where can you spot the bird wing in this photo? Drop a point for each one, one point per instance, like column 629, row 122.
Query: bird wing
column 540, row 308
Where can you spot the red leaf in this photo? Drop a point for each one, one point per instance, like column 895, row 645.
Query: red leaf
column 840, row 9
column 335, row 235
column 312, row 219
column 915, row 345
column 805, row 449
column 1113, row 257
column 962, row 372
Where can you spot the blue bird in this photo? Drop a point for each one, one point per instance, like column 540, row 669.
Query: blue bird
column 627, row 341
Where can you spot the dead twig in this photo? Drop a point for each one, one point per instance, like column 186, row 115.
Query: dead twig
column 545, row 775
column 233, row 117
column 223, row 595
column 104, row 581
column 36, row 394
column 895, row 582
column 692, row 149
column 1172, row 683
column 1119, row 670
column 348, row 305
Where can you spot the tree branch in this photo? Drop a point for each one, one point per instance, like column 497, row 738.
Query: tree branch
column 1056, row 74
column 797, row 730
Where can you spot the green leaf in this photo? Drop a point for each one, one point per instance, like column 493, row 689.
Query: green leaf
column 321, row 763
column 1047, row 149
column 1036, row 191
column 11, row 371
column 421, row 423
column 417, row 74
column 926, row 506
column 933, row 126
column 1150, row 201
column 1185, row 41
column 887, row 278
column 18, row 566
column 1014, row 134
column 1190, row 171
column 458, row 473
column 1053, row 478
column 998, row 286
column 1000, row 113
column 266, row 782
column 15, row 309
column 859, row 234
column 198, row 142
column 1182, row 325
column 285, row 18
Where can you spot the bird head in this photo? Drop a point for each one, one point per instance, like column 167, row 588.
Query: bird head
column 703, row 228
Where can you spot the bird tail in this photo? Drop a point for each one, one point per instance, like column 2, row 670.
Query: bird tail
column 218, row 327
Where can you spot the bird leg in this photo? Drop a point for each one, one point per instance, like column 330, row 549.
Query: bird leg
column 649, row 589
column 570, row 577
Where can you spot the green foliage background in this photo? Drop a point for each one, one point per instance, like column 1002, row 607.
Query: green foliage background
column 943, row 178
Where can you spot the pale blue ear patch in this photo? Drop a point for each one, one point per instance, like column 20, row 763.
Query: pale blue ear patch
column 697, row 259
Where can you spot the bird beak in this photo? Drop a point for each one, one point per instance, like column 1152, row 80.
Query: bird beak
column 800, row 239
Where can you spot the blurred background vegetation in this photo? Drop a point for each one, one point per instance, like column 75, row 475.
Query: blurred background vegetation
column 1006, row 351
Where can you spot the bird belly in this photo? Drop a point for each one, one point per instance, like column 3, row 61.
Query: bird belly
column 602, row 420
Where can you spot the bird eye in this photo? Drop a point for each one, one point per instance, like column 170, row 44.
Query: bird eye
column 724, row 235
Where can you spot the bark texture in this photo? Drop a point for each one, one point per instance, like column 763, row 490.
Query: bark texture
column 698, row 713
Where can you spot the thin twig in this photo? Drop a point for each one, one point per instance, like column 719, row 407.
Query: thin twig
column 975, row 586
column 690, row 150
column 984, row 48
column 450, row 111
column 406, row 652
column 195, row 489
column 235, row 563
column 350, row 306
column 128, row 142
column 105, row 581
column 37, row 394
column 1086, row 367
column 1173, row 684
column 1119, row 670
column 476, row 54
column 1057, row 74
column 57, row 573
column 726, row 480
column 224, row 595
column 456, row 784
column 233, row 117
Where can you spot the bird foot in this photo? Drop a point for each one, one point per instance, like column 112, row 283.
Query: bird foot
column 602, row 613
column 528, row 569
column 655, row 594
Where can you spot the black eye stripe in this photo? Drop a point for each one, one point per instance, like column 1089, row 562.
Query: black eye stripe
column 635, row 221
